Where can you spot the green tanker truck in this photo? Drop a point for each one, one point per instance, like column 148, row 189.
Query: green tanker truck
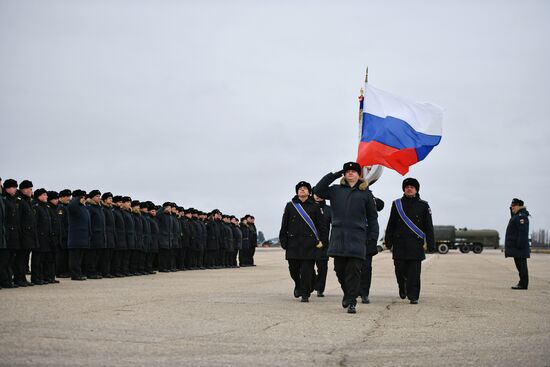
column 465, row 240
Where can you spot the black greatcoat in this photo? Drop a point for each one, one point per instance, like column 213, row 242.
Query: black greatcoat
column 176, row 232
column 62, row 212
column 146, row 224
column 43, row 226
column 2, row 224
column 405, row 243
column 252, row 236
column 228, row 237
column 80, row 229
column 295, row 235
column 138, row 231
column 57, row 227
column 194, row 233
column 130, row 229
column 245, row 239
column 237, row 237
column 354, row 216
column 327, row 217
column 110, row 227
column 28, row 235
column 165, row 230
column 12, row 223
column 185, row 232
column 97, row 219
column 155, row 233
column 120, row 230
column 214, row 235
column 516, row 242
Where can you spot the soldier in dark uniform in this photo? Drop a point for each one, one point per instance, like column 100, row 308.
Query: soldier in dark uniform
column 80, row 232
column 300, row 240
column 137, row 255
column 106, row 259
column 62, row 255
column 237, row 240
column 146, row 224
column 155, row 232
column 121, row 248
column 229, row 242
column 203, row 220
column 98, row 238
column 12, row 231
column 408, row 245
column 5, row 275
column 245, row 242
column 213, row 232
column 185, row 239
column 43, row 230
column 196, row 240
column 28, row 235
column 354, row 227
column 252, row 240
column 130, row 230
column 176, row 237
column 56, row 236
column 321, row 262
column 366, row 267
column 165, row 237
column 516, row 242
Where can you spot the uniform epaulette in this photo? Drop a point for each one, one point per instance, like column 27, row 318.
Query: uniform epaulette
column 18, row 198
column 424, row 201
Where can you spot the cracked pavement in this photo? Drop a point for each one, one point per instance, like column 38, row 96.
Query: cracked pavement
column 467, row 315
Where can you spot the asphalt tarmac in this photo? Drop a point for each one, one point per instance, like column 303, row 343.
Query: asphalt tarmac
column 467, row 315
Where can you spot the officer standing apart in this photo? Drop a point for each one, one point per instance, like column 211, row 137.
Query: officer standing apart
column 516, row 242
column 410, row 232
column 299, row 235
column 354, row 226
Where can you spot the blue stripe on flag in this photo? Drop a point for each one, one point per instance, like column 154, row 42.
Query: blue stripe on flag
column 397, row 133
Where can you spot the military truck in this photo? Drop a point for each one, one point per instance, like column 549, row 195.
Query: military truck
column 464, row 239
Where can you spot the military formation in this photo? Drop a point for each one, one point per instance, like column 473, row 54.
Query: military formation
column 347, row 230
column 94, row 235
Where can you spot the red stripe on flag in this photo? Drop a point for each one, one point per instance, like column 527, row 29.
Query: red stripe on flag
column 373, row 152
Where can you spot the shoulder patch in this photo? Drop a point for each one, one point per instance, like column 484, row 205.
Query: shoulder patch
column 522, row 221
column 430, row 210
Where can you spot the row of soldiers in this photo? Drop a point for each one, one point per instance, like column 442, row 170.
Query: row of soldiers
column 93, row 235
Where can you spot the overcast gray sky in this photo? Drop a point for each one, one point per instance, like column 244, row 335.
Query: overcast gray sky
column 217, row 104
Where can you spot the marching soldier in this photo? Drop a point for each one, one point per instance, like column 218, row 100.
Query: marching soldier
column 516, row 242
column 300, row 231
column 321, row 262
column 366, row 267
column 410, row 233
column 354, row 226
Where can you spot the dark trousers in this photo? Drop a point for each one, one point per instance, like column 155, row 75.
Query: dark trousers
column 174, row 255
column 180, row 262
column 149, row 260
column 301, row 271
column 116, row 262
column 407, row 273
column 142, row 261
column 210, row 258
column 242, row 257
column 164, row 259
column 5, row 267
column 366, row 276
column 20, row 265
column 37, row 266
column 348, row 272
column 105, row 260
column 251, row 254
column 75, row 262
column 62, row 262
column 91, row 257
column 321, row 275
column 229, row 257
column 521, row 265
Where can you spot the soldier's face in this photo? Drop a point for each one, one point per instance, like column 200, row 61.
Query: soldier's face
column 234, row 221
column 82, row 199
column 65, row 199
column 410, row 190
column 514, row 208
column 352, row 175
column 317, row 198
column 109, row 201
column 27, row 191
column 96, row 199
column 54, row 202
column 11, row 190
column 43, row 198
column 153, row 212
column 303, row 192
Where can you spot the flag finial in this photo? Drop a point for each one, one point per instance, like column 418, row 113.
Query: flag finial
column 367, row 75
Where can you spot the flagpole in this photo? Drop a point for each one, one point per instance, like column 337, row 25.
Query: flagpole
column 370, row 173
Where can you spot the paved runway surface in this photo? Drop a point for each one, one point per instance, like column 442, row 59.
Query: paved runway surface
column 467, row 315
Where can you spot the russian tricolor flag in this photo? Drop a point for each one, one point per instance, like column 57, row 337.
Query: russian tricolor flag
column 397, row 132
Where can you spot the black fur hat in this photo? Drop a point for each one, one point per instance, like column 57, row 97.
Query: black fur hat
column 52, row 195
column 65, row 192
column 412, row 182
column 25, row 184
column 516, row 201
column 352, row 166
column 10, row 183
column 106, row 195
column 39, row 192
column 298, row 185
